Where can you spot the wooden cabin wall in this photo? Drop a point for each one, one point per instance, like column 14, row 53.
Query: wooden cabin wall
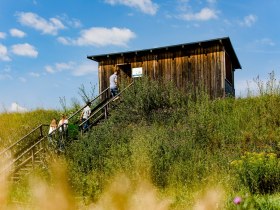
column 104, row 72
column 200, row 67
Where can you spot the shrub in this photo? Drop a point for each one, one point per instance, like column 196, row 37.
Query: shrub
column 179, row 142
column 260, row 172
column 148, row 96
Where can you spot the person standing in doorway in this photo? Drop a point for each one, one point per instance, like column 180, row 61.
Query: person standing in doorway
column 114, row 84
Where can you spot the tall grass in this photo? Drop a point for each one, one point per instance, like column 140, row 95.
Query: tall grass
column 181, row 143
column 15, row 125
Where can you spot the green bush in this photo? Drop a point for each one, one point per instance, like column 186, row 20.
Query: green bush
column 260, row 172
column 147, row 96
column 254, row 202
column 176, row 140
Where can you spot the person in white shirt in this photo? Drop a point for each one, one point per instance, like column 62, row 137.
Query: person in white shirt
column 85, row 116
column 114, row 83
column 63, row 129
column 53, row 127
column 63, row 123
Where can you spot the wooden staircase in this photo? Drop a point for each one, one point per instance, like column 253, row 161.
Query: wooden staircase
column 25, row 152
column 24, row 155
column 27, row 168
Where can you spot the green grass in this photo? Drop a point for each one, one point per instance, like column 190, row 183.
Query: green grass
column 15, row 125
column 183, row 144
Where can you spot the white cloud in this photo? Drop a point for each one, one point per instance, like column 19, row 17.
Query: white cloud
column 2, row 35
column 249, row 20
column 75, row 23
column 17, row 33
column 85, row 69
column 75, row 69
column 64, row 40
column 5, row 76
column 204, row 15
column 22, row 79
column 7, row 69
column 64, row 66
column 17, row 108
column 34, row 74
column 72, row 22
column 146, row 6
column 4, row 53
column 51, row 26
column 211, row 1
column 101, row 37
column 49, row 69
column 58, row 67
column 25, row 50
column 266, row 41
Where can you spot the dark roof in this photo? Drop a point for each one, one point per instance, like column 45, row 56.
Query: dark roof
column 225, row 41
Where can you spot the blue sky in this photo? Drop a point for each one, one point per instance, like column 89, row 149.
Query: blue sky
column 44, row 43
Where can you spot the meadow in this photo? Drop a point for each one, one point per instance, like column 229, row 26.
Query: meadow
column 164, row 148
column 15, row 125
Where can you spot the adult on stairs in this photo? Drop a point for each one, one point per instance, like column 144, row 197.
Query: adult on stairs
column 63, row 130
column 85, row 116
column 114, row 84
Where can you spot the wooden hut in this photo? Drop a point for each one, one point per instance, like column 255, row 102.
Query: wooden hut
column 209, row 64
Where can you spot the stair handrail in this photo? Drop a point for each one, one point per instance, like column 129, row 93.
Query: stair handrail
column 41, row 125
column 106, row 104
column 86, row 104
column 42, row 136
column 21, row 155
column 76, row 112
column 11, row 146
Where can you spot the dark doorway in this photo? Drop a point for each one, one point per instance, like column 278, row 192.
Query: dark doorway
column 125, row 73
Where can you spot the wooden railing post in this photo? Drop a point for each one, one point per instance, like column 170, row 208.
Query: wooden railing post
column 41, row 131
column 106, row 107
column 33, row 158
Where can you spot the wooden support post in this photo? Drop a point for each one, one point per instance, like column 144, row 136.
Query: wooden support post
column 33, row 158
column 107, row 95
column 41, row 131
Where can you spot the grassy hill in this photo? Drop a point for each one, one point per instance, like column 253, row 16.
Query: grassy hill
column 185, row 146
column 163, row 148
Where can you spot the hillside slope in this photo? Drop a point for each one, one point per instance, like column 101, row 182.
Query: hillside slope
column 183, row 144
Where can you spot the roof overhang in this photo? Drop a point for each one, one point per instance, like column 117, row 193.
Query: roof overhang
column 225, row 41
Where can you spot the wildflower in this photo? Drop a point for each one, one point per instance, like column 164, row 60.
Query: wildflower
column 237, row 200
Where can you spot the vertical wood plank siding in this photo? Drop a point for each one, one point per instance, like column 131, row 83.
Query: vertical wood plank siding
column 206, row 67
